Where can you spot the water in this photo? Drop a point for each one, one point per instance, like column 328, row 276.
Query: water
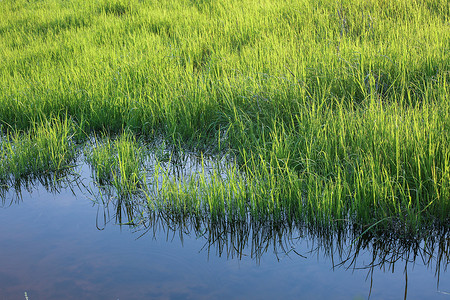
column 64, row 245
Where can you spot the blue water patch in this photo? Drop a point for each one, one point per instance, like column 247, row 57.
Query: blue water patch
column 58, row 242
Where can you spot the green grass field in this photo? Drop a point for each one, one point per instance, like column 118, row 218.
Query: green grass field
column 331, row 110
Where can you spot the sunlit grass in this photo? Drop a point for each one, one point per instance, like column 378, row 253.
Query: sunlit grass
column 118, row 163
column 45, row 149
column 330, row 110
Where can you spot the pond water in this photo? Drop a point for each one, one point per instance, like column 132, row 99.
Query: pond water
column 63, row 244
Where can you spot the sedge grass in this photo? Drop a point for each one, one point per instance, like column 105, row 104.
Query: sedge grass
column 332, row 110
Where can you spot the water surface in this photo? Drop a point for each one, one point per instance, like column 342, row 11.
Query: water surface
column 64, row 244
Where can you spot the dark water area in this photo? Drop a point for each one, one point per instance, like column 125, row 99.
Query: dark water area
column 65, row 244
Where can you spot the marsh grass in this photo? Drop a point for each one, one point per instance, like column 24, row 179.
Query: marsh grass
column 118, row 163
column 43, row 150
column 331, row 110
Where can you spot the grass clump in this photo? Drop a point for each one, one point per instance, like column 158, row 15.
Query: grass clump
column 45, row 149
column 118, row 163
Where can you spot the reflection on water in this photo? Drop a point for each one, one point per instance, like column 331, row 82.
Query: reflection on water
column 346, row 249
column 65, row 239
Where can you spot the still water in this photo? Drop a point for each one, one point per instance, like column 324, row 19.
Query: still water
column 63, row 244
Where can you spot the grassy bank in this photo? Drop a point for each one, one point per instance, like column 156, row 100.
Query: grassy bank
column 333, row 110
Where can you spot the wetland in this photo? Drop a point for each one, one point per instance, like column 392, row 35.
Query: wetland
column 224, row 149
column 66, row 239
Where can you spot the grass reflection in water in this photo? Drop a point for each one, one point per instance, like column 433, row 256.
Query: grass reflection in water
column 236, row 237
column 347, row 245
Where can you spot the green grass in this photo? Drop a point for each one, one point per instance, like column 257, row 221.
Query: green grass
column 331, row 110
column 118, row 163
column 45, row 149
